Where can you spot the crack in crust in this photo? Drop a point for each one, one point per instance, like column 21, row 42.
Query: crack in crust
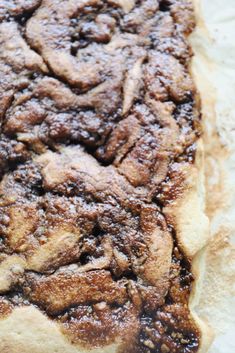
column 99, row 117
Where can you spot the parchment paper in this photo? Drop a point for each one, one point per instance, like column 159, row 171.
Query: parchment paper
column 214, row 69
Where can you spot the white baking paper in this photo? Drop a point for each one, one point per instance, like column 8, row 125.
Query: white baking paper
column 214, row 46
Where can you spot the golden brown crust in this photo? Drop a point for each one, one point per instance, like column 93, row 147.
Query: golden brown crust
column 187, row 215
column 27, row 330
column 189, row 207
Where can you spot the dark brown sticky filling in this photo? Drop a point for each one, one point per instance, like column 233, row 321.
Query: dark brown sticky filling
column 99, row 121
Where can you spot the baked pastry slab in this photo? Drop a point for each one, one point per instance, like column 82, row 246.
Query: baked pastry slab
column 102, row 197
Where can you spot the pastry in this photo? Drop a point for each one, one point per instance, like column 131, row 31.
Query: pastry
column 102, row 217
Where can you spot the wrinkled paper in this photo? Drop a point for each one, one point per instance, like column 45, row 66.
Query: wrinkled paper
column 214, row 66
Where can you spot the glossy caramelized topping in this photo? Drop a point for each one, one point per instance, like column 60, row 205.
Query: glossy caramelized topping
column 99, row 121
